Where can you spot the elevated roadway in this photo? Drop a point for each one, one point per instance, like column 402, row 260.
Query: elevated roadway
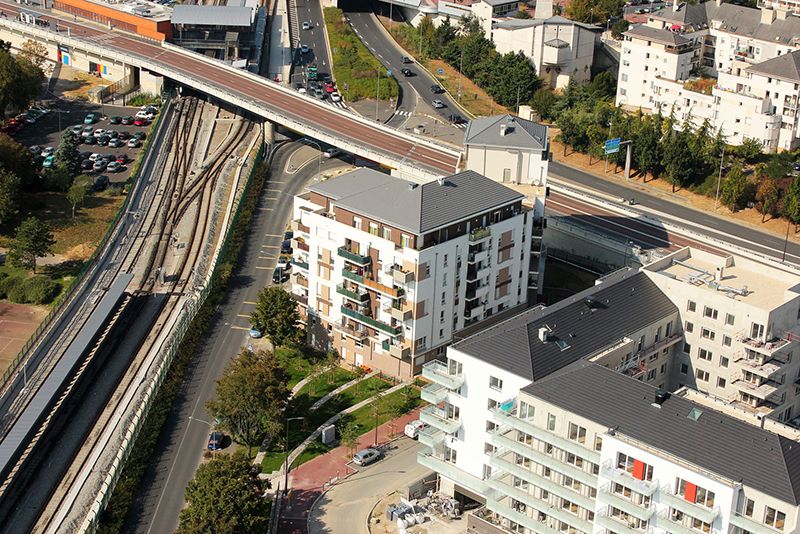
column 412, row 157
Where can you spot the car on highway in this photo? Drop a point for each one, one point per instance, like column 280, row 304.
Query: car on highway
column 279, row 276
column 307, row 25
column 115, row 166
column 438, row 104
column 331, row 152
column 366, row 456
column 407, row 72
column 90, row 118
column 412, row 429
column 48, row 162
column 319, row 93
column 255, row 333
column 127, row 121
column 215, row 441
column 406, row 60
column 115, row 120
column 134, row 143
column 336, row 97
column 304, row 49
column 436, row 89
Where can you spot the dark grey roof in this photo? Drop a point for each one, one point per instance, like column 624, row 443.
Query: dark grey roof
column 412, row 207
column 715, row 442
column 495, row 3
column 654, row 34
column 695, row 15
column 520, row 133
column 513, row 23
column 212, row 15
column 786, row 67
column 618, row 308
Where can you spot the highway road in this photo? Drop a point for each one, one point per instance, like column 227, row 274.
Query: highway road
column 413, row 88
column 314, row 38
column 268, row 94
column 184, row 437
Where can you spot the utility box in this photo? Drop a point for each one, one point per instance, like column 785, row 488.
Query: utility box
column 329, row 434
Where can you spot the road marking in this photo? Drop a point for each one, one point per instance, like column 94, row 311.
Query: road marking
column 263, row 268
column 265, row 209
column 249, row 302
column 242, row 315
column 266, row 257
column 273, row 235
column 240, row 328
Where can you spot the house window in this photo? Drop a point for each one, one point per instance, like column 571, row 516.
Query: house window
column 598, row 443
column 729, row 319
column 704, row 354
column 747, row 508
column 387, row 233
column 522, row 437
column 702, row 375
column 405, row 241
column 636, row 468
column 357, row 223
column 695, row 494
column 687, row 348
column 707, row 334
column 651, row 374
column 658, row 335
column 525, row 410
column 684, row 368
column 669, row 329
column 492, row 404
column 711, row 313
column 689, row 327
column 495, row 383
column 721, row 382
column 691, row 306
column 551, row 422
column 373, row 229
column 723, row 361
column 487, row 471
column 726, row 341
column 577, row 433
column 488, row 448
column 490, row 426
column 774, row 518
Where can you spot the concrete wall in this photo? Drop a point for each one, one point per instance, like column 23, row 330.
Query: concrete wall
column 151, row 82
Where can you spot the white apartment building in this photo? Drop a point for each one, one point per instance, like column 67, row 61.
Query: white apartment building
column 750, row 63
column 559, row 49
column 494, row 438
column 387, row 271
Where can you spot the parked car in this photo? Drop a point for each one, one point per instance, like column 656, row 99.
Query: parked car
column 288, row 234
column 438, row 104
column 436, row 89
column 127, row 120
column 406, row 72
column 87, row 164
column 336, row 97
column 141, row 136
column 331, row 152
column 48, row 151
column 99, row 165
column 98, row 132
column 77, row 129
column 103, row 140
column 215, row 441
column 100, row 183
column 134, row 143
column 279, row 276
column 145, row 114
column 412, row 429
column 124, row 136
column 48, row 162
column 140, row 122
column 90, row 140
column 90, row 118
column 85, row 154
column 35, row 150
column 330, row 88
column 87, row 131
column 115, row 120
column 286, row 247
column 115, row 166
column 366, row 456
column 283, row 262
column 95, row 156
column 112, row 134
column 122, row 159
column 255, row 333
column 116, row 143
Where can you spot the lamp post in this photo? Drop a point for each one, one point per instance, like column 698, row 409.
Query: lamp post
column 377, row 93
column 719, row 178
column 286, row 460
column 319, row 157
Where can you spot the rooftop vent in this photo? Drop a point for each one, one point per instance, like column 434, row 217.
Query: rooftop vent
column 412, row 186
column 659, row 398
column 544, row 334
column 503, row 130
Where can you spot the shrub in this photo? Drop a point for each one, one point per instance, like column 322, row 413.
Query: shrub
column 40, row 290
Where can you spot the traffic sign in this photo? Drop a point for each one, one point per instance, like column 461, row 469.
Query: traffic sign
column 389, row 73
column 440, row 72
column 612, row 145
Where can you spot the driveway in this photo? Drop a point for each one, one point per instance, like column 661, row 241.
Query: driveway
column 344, row 509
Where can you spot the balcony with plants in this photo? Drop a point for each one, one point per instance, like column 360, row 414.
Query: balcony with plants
column 349, row 311
column 347, row 252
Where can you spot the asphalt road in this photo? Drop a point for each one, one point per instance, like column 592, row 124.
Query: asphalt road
column 681, row 214
column 185, row 435
column 344, row 509
column 412, row 88
column 314, row 38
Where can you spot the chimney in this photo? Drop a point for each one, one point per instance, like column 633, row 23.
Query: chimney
column 780, row 13
column 767, row 15
column 676, row 6
column 503, row 129
column 412, row 186
column 440, row 180
column 660, row 397
column 544, row 9
column 718, row 2
column 543, row 333
column 718, row 274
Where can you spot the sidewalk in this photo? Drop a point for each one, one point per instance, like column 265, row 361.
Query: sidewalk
column 280, row 52
column 312, row 478
column 366, row 108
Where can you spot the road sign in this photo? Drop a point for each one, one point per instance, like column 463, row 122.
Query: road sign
column 389, row 73
column 440, row 72
column 612, row 145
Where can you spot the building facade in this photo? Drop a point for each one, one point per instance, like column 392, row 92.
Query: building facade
column 734, row 66
column 387, row 271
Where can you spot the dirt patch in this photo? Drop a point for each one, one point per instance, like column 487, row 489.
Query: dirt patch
column 73, row 84
column 749, row 217
column 17, row 324
column 79, row 252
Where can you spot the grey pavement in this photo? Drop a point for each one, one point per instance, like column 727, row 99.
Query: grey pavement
column 345, row 508
column 183, row 439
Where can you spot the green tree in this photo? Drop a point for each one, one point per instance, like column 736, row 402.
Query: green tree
column 678, row 164
column 544, row 102
column 749, row 150
column 9, row 195
column 224, row 497
column 348, row 435
column 68, row 154
column 16, row 158
column 778, row 166
column 250, row 397
column 76, row 195
column 791, row 203
column 33, row 52
column 394, row 410
column 619, row 27
column 33, row 240
column 647, row 148
column 57, row 178
column 275, row 315
column 734, row 188
column 767, row 197
column 441, row 37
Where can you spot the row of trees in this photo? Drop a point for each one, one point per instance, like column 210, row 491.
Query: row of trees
column 20, row 77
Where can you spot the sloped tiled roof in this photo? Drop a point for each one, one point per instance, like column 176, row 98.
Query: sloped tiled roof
column 786, row 67
column 520, row 133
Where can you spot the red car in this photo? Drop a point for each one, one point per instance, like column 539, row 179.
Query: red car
column 140, row 122
column 122, row 159
column 329, row 88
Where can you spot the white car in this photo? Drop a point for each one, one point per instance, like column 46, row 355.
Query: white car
column 145, row 115
column 283, row 262
column 301, row 90
column 49, row 151
column 306, row 25
column 413, row 428
column 95, row 156
column 331, row 152
column 336, row 97
column 98, row 132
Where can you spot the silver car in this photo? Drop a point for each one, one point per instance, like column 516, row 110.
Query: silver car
column 366, row 456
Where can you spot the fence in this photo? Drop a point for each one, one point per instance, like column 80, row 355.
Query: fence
column 170, row 347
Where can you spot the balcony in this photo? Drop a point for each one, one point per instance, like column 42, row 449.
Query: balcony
column 300, row 244
column 397, row 350
column 437, row 417
column 474, row 272
column 766, row 369
column 301, row 280
column 677, row 502
column 399, row 312
column 374, row 323
column 356, row 295
column 302, row 299
column 663, row 520
column 639, row 511
column 431, row 436
column 526, row 426
column 353, row 257
column 298, row 226
column 750, row 525
column 358, row 335
column 478, row 257
column 539, row 457
column 355, row 277
column 479, row 234
column 609, row 471
column 613, row 524
column 400, row 276
column 436, row 371
column 434, row 393
column 764, row 390
column 297, row 262
column 539, row 527
column 434, row 461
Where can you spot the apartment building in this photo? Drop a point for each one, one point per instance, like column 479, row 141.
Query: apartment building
column 559, row 49
column 388, row 271
column 740, row 329
column 737, row 67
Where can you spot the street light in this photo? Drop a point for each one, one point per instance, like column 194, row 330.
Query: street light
column 319, row 157
column 286, row 460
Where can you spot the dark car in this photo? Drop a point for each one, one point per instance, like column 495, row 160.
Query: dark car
column 124, row 136
column 286, row 247
column 103, row 140
column 91, row 140
column 288, row 234
column 127, row 121
column 115, row 120
column 436, row 89
column 123, row 159
column 457, row 119
column 87, row 164
column 141, row 136
column 99, row 165
column 406, row 59
column 100, row 183
column 279, row 276
column 406, row 72
column 215, row 441
column 85, row 154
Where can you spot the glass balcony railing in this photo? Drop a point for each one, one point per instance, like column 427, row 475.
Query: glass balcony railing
column 430, row 436
column 707, row 515
column 639, row 511
column 437, row 417
column 546, row 460
column 374, row 323
column 610, row 471
column 299, row 263
column 437, row 371
column 436, row 462
column 751, row 525
column 353, row 257
column 434, row 393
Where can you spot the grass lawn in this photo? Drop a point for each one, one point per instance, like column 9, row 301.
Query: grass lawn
column 298, row 362
column 355, row 69
column 403, row 400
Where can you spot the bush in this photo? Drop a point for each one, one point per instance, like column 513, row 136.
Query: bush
column 8, row 283
column 142, row 99
column 40, row 290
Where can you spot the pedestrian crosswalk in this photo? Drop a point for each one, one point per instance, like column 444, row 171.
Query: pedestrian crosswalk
column 460, row 126
column 403, row 113
column 338, row 104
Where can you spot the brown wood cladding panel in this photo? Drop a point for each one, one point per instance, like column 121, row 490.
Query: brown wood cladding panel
column 319, row 200
column 419, row 309
column 346, row 217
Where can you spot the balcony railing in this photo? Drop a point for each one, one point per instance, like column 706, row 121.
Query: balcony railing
column 431, row 436
column 431, row 460
column 437, row 417
column 434, row 393
column 301, row 280
column 613, row 524
column 438, row 372
column 356, row 295
column 397, row 350
column 610, row 471
column 348, row 330
column 480, row 233
column 638, row 511
column 355, row 277
column 299, row 263
column 539, row 527
column 698, row 511
column 401, row 276
column 750, row 525
column 664, row 521
column 353, row 257
column 374, row 323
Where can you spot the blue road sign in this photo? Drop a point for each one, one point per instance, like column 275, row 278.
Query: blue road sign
column 389, row 73
column 440, row 72
column 612, row 145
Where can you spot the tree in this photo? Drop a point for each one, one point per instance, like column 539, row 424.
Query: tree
column 78, row 191
column 749, row 150
column 224, row 497
column 778, row 166
column 33, row 240
column 544, row 102
column 348, row 435
column 276, row 315
column 394, row 411
column 34, row 52
column 522, row 13
column 791, row 203
column 57, row 178
column 678, row 164
column 251, row 397
column 767, row 198
column 735, row 188
column 619, row 27
column 9, row 195
column 16, row 158
column 20, row 81
column 647, row 148
column 68, row 154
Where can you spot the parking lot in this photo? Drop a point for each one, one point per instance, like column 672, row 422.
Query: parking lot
column 47, row 130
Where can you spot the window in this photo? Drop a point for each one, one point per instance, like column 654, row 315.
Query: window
column 663, row 368
column 658, row 335
column 651, row 375
column 669, row 329
column 551, row 422
column 525, row 410
column 711, row 313
column 491, row 426
column 704, row 354
column 519, row 483
column 405, row 241
column 488, row 448
column 702, row 375
column 598, row 443
column 577, row 433
column 452, row 412
column 492, row 404
column 729, row 319
column 387, row 233
column 774, row 518
column 487, row 471
column 639, row 470
column 726, row 341
column 357, row 223
column 522, row 437
column 684, row 368
column 757, row 331
column 689, row 327
column 373, row 229
column 574, row 459
column 495, row 383
column 522, row 460
column 691, row 306
column 450, row 455
column 707, row 334
column 723, row 361
column 695, row 494
column 747, row 509
column 721, row 382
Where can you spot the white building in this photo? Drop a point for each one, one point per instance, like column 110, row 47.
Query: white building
column 749, row 60
column 387, row 271
column 559, row 49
